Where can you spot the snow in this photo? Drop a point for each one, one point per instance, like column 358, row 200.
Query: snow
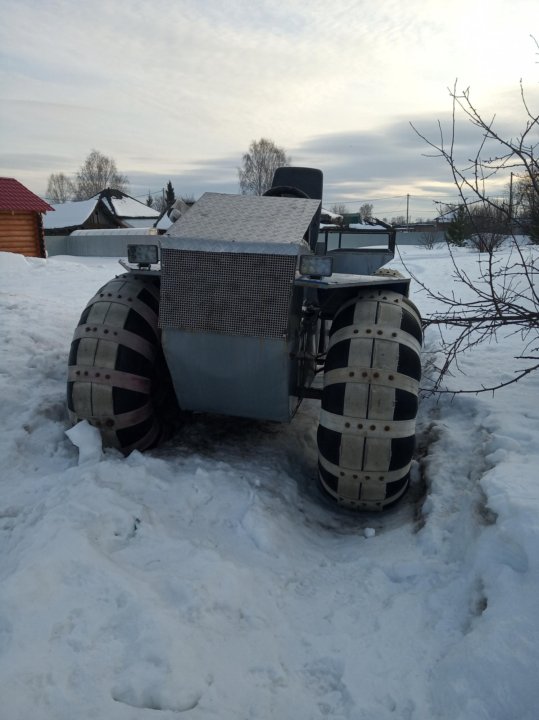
column 330, row 217
column 115, row 232
column 210, row 578
column 127, row 207
column 164, row 223
column 367, row 226
column 75, row 212
column 88, row 440
column 69, row 214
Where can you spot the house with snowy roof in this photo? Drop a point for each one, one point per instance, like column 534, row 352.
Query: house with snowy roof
column 108, row 209
column 21, row 219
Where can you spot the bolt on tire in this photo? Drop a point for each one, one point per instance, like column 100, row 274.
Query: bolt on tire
column 113, row 374
column 366, row 434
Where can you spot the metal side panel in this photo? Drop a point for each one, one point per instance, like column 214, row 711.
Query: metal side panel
column 359, row 262
column 230, row 375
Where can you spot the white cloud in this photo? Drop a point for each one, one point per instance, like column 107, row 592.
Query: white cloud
column 180, row 81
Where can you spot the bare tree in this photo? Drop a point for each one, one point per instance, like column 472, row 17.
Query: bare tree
column 339, row 209
column 366, row 211
column 60, row 188
column 97, row 173
column 259, row 165
column 159, row 202
column 398, row 220
column 506, row 297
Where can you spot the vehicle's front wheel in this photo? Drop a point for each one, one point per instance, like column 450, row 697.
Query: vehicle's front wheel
column 369, row 402
column 115, row 373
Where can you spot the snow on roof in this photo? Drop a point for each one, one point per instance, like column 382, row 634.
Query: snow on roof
column 125, row 208
column 15, row 196
column 69, row 214
column 367, row 226
column 128, row 207
column 114, row 231
column 328, row 216
column 164, row 223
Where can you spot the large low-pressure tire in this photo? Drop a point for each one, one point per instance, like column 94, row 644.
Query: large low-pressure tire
column 114, row 370
column 369, row 402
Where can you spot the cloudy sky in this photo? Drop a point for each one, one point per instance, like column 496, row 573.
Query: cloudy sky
column 177, row 89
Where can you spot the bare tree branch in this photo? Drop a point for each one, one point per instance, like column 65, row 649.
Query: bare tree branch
column 505, row 296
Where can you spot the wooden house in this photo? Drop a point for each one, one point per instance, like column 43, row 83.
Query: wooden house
column 108, row 209
column 21, row 223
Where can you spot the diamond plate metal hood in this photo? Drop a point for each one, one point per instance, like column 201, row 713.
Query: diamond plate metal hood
column 243, row 223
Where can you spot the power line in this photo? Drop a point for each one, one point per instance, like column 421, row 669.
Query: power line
column 418, row 198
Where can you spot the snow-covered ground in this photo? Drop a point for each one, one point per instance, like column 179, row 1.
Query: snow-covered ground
column 210, row 579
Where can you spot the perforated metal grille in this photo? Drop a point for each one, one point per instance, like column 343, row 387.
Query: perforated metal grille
column 231, row 293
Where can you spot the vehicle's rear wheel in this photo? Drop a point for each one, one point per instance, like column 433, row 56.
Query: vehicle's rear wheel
column 115, row 373
column 369, row 402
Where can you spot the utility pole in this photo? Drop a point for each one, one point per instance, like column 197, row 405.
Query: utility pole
column 408, row 211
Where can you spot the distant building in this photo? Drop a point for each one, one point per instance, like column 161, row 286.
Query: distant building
column 108, row 209
column 21, row 221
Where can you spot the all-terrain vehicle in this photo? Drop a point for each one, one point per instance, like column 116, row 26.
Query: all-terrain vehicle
column 242, row 305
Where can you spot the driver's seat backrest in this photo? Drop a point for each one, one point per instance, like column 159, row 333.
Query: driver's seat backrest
column 311, row 181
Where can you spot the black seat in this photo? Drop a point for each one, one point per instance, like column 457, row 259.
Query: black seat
column 309, row 182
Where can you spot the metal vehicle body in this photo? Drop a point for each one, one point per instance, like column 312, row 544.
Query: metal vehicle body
column 244, row 307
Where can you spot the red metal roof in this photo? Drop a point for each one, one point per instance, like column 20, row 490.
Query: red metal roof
column 14, row 196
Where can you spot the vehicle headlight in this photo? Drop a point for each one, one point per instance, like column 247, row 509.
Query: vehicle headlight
column 143, row 254
column 316, row 265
